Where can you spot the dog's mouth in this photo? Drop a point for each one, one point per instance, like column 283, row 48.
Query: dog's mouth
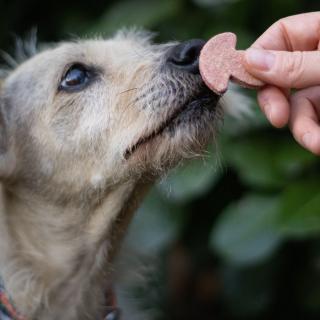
column 205, row 98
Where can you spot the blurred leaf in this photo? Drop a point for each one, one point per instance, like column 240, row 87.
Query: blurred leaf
column 247, row 231
column 246, row 117
column 155, row 224
column 192, row 180
column 265, row 161
column 140, row 13
column 300, row 209
column 250, row 230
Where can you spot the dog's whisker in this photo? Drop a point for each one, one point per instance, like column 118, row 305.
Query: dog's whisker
column 9, row 60
column 128, row 90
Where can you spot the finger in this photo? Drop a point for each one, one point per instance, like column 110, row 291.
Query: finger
column 298, row 32
column 299, row 69
column 304, row 118
column 274, row 103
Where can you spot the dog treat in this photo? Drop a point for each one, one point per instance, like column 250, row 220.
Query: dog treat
column 220, row 61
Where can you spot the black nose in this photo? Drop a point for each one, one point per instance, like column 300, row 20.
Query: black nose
column 185, row 56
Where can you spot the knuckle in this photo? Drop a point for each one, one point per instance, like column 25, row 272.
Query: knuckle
column 284, row 30
column 294, row 68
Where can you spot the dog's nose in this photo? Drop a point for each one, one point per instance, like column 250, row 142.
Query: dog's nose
column 185, row 56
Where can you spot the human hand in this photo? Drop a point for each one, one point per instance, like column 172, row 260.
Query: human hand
column 287, row 56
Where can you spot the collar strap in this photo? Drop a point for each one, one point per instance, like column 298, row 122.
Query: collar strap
column 9, row 312
column 7, row 309
column 112, row 311
column 112, row 314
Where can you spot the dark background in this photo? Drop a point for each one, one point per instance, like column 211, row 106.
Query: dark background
column 235, row 236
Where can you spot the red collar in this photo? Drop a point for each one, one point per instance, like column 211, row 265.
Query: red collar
column 112, row 311
column 7, row 309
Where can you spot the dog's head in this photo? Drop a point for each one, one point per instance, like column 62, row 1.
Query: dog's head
column 86, row 115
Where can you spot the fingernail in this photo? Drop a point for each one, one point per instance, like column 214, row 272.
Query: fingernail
column 307, row 139
column 260, row 59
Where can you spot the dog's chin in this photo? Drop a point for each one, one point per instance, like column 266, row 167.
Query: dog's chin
column 185, row 133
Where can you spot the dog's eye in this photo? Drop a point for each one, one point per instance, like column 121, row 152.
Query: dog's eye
column 76, row 78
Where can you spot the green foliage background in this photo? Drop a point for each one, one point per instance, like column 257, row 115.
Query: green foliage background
column 236, row 236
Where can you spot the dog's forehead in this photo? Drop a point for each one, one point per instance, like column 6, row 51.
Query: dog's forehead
column 99, row 49
column 116, row 52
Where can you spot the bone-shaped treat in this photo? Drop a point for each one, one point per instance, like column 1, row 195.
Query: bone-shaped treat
column 220, row 61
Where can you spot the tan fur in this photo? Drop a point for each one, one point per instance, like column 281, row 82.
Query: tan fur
column 68, row 191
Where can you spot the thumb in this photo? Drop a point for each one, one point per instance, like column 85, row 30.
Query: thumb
column 298, row 69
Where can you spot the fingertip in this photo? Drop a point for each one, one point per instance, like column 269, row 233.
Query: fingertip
column 311, row 142
column 304, row 122
column 277, row 116
column 275, row 105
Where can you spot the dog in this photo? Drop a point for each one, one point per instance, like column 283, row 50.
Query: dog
column 87, row 127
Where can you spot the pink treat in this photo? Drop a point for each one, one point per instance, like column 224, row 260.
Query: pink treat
column 220, row 61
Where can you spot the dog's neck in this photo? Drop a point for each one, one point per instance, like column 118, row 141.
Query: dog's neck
column 55, row 261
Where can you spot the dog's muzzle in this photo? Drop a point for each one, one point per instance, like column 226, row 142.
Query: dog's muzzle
column 185, row 56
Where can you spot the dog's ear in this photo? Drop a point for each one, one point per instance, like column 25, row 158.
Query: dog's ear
column 7, row 158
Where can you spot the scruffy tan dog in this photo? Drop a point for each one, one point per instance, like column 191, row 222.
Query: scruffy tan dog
column 86, row 129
